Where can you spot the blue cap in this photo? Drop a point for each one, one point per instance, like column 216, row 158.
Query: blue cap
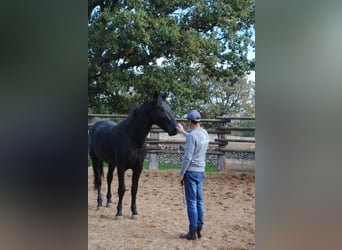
column 193, row 115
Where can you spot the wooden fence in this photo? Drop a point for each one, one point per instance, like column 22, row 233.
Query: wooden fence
column 221, row 128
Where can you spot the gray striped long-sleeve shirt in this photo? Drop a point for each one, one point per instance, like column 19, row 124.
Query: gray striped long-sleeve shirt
column 196, row 146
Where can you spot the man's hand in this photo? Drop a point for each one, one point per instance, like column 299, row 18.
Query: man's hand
column 180, row 128
column 181, row 181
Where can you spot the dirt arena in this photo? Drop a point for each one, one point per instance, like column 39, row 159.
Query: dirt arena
column 229, row 213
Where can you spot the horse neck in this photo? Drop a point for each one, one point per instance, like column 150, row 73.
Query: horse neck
column 139, row 126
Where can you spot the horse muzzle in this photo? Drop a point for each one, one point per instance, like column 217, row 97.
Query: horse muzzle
column 172, row 132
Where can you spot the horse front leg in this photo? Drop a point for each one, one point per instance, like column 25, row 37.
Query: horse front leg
column 111, row 168
column 134, row 191
column 121, row 191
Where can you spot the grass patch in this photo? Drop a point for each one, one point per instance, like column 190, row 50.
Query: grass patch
column 211, row 168
column 105, row 164
column 166, row 166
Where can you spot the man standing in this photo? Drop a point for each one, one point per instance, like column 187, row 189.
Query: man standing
column 192, row 174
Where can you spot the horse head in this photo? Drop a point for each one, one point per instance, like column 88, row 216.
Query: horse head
column 162, row 115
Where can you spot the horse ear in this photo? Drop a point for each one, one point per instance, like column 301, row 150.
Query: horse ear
column 155, row 95
column 163, row 96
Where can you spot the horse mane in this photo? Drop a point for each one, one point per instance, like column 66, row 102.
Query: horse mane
column 145, row 106
column 134, row 113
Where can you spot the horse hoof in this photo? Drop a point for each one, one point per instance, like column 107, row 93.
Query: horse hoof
column 135, row 216
column 118, row 217
column 99, row 207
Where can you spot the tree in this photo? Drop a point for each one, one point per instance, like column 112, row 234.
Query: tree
column 175, row 46
column 232, row 99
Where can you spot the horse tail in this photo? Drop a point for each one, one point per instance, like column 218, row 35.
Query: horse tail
column 101, row 170
column 98, row 174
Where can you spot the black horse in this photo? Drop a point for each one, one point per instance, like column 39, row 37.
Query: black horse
column 123, row 145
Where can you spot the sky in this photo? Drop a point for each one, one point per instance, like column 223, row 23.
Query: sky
column 251, row 76
column 250, row 56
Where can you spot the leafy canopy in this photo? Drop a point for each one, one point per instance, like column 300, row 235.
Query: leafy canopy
column 179, row 47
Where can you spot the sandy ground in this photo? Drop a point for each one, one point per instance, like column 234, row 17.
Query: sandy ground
column 229, row 213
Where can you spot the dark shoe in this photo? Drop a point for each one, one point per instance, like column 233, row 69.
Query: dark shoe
column 189, row 236
column 199, row 229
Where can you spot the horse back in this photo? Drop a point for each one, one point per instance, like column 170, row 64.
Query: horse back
column 100, row 140
column 112, row 143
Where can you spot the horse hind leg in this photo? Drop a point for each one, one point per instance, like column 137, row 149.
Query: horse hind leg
column 111, row 168
column 98, row 175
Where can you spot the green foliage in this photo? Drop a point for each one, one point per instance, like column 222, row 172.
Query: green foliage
column 165, row 166
column 233, row 99
column 197, row 43
column 243, row 124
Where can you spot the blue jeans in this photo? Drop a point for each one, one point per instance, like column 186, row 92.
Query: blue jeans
column 193, row 184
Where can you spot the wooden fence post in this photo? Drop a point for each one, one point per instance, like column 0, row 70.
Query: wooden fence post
column 221, row 136
column 154, row 157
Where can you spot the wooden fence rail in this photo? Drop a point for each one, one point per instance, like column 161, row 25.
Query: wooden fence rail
column 220, row 127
